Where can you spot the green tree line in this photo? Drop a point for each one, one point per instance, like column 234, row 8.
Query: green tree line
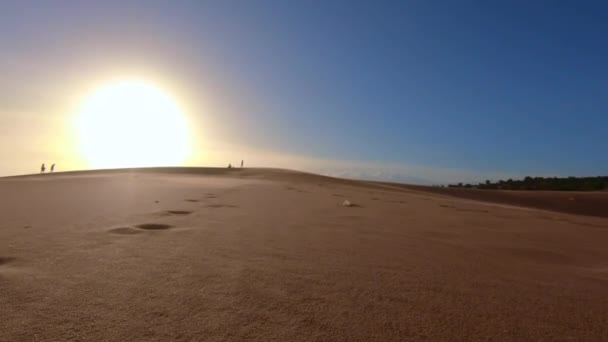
column 543, row 183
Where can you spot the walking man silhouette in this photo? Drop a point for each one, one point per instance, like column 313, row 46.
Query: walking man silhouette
column 53, row 167
column 242, row 162
column 42, row 168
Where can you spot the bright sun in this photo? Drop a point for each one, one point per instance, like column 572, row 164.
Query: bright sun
column 129, row 124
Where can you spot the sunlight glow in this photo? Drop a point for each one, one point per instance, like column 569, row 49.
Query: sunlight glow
column 131, row 124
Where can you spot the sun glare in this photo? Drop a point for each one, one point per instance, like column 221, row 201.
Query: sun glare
column 130, row 124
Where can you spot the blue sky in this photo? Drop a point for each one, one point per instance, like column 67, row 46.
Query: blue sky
column 513, row 87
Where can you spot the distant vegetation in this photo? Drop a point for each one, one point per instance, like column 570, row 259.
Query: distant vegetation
column 541, row 183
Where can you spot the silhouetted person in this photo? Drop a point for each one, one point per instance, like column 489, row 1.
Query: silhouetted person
column 53, row 167
column 42, row 168
column 230, row 166
column 242, row 162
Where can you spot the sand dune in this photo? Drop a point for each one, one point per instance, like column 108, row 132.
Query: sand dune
column 591, row 203
column 271, row 255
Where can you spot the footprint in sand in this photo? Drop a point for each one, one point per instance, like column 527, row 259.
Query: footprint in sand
column 153, row 226
column 174, row 212
column 221, row 206
column 6, row 260
column 140, row 228
column 191, row 200
column 178, row 212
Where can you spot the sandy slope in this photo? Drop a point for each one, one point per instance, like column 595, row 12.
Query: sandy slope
column 271, row 255
column 591, row 203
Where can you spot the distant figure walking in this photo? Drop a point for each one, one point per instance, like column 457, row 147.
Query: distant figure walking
column 242, row 162
column 53, row 167
column 230, row 166
column 42, row 168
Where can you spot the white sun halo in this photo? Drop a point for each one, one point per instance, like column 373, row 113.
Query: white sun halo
column 130, row 124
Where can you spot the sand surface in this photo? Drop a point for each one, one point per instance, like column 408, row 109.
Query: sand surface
column 270, row 255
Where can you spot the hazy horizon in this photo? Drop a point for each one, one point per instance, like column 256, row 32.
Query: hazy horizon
column 421, row 92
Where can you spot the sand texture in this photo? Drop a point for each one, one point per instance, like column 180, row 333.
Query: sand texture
column 271, row 255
